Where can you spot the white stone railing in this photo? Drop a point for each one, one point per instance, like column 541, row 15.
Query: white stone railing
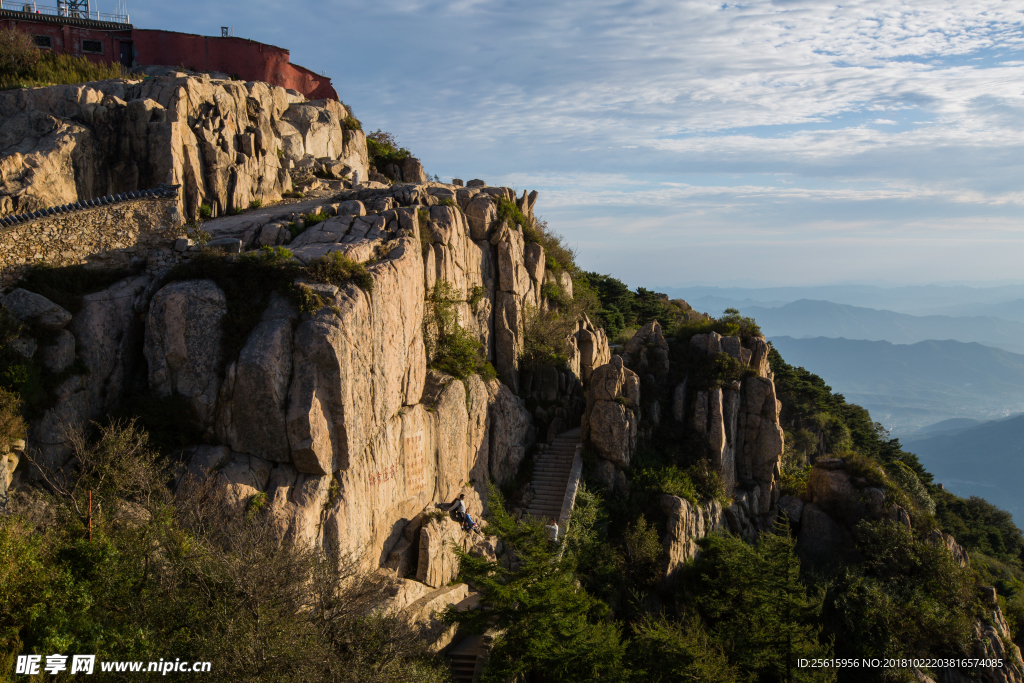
column 34, row 8
column 573, row 485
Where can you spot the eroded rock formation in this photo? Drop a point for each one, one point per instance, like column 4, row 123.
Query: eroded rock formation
column 226, row 142
column 334, row 415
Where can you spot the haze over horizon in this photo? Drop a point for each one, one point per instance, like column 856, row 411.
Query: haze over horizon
column 788, row 142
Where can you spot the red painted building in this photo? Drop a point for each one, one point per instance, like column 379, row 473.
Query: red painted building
column 101, row 40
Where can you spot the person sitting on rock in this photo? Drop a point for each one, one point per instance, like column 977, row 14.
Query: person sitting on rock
column 552, row 528
column 458, row 509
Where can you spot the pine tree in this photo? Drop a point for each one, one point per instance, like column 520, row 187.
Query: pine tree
column 550, row 628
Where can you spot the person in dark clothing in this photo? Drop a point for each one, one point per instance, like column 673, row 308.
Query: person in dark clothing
column 458, row 509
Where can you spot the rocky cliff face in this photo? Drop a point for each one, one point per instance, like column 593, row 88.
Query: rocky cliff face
column 736, row 422
column 226, row 142
column 334, row 415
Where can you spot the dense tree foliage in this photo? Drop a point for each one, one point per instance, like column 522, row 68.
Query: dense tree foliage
column 195, row 575
column 620, row 310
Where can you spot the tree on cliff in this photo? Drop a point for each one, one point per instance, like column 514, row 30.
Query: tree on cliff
column 755, row 605
column 194, row 574
column 551, row 628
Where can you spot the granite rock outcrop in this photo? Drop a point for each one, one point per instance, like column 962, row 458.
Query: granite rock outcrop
column 227, row 143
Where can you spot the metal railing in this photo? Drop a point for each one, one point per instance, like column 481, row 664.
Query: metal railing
column 34, row 8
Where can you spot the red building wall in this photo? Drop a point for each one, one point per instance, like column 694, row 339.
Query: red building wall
column 241, row 57
column 67, row 38
column 247, row 59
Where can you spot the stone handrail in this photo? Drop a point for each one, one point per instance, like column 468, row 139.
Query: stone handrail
column 571, row 487
column 160, row 191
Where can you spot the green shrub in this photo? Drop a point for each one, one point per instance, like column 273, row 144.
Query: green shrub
column 339, row 270
column 12, row 426
column 191, row 576
column 544, row 337
column 48, row 68
column 383, row 149
column 450, row 347
column 256, row 503
column 448, row 201
column 794, row 480
column 697, row 483
column 256, row 203
column 665, row 651
column 351, row 123
column 18, row 54
column 552, row 291
column 911, row 485
column 304, row 298
column 293, row 195
column 312, row 219
column 731, row 324
column 205, row 211
column 907, row 599
column 767, row 626
column 476, row 295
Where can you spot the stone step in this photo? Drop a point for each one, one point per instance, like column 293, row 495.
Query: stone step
column 548, row 501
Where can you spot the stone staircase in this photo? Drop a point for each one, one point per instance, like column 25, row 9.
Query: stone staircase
column 462, row 659
column 551, row 474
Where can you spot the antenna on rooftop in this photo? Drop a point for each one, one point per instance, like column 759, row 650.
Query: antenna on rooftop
column 80, row 9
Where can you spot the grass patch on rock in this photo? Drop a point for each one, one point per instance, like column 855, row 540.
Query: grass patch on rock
column 451, row 348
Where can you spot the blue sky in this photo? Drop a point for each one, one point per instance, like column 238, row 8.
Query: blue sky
column 782, row 143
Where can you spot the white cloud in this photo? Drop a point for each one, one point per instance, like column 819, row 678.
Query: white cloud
column 651, row 108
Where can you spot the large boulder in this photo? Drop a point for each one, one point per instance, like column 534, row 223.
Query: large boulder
column 687, row 524
column 438, row 565
column 647, row 351
column 481, row 215
column 34, row 308
column 256, row 388
column 108, row 335
column 611, row 418
column 511, row 432
column 183, row 343
column 352, row 372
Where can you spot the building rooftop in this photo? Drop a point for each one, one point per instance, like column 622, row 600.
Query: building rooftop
column 30, row 11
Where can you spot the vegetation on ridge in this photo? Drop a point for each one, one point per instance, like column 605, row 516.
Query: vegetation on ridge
column 23, row 65
column 383, row 149
column 451, row 348
column 191, row 575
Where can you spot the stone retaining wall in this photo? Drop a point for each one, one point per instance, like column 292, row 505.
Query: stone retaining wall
column 115, row 236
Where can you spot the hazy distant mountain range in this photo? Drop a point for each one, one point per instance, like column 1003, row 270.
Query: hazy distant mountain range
column 810, row 318
column 918, row 300
column 941, row 366
column 984, row 460
column 908, row 387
